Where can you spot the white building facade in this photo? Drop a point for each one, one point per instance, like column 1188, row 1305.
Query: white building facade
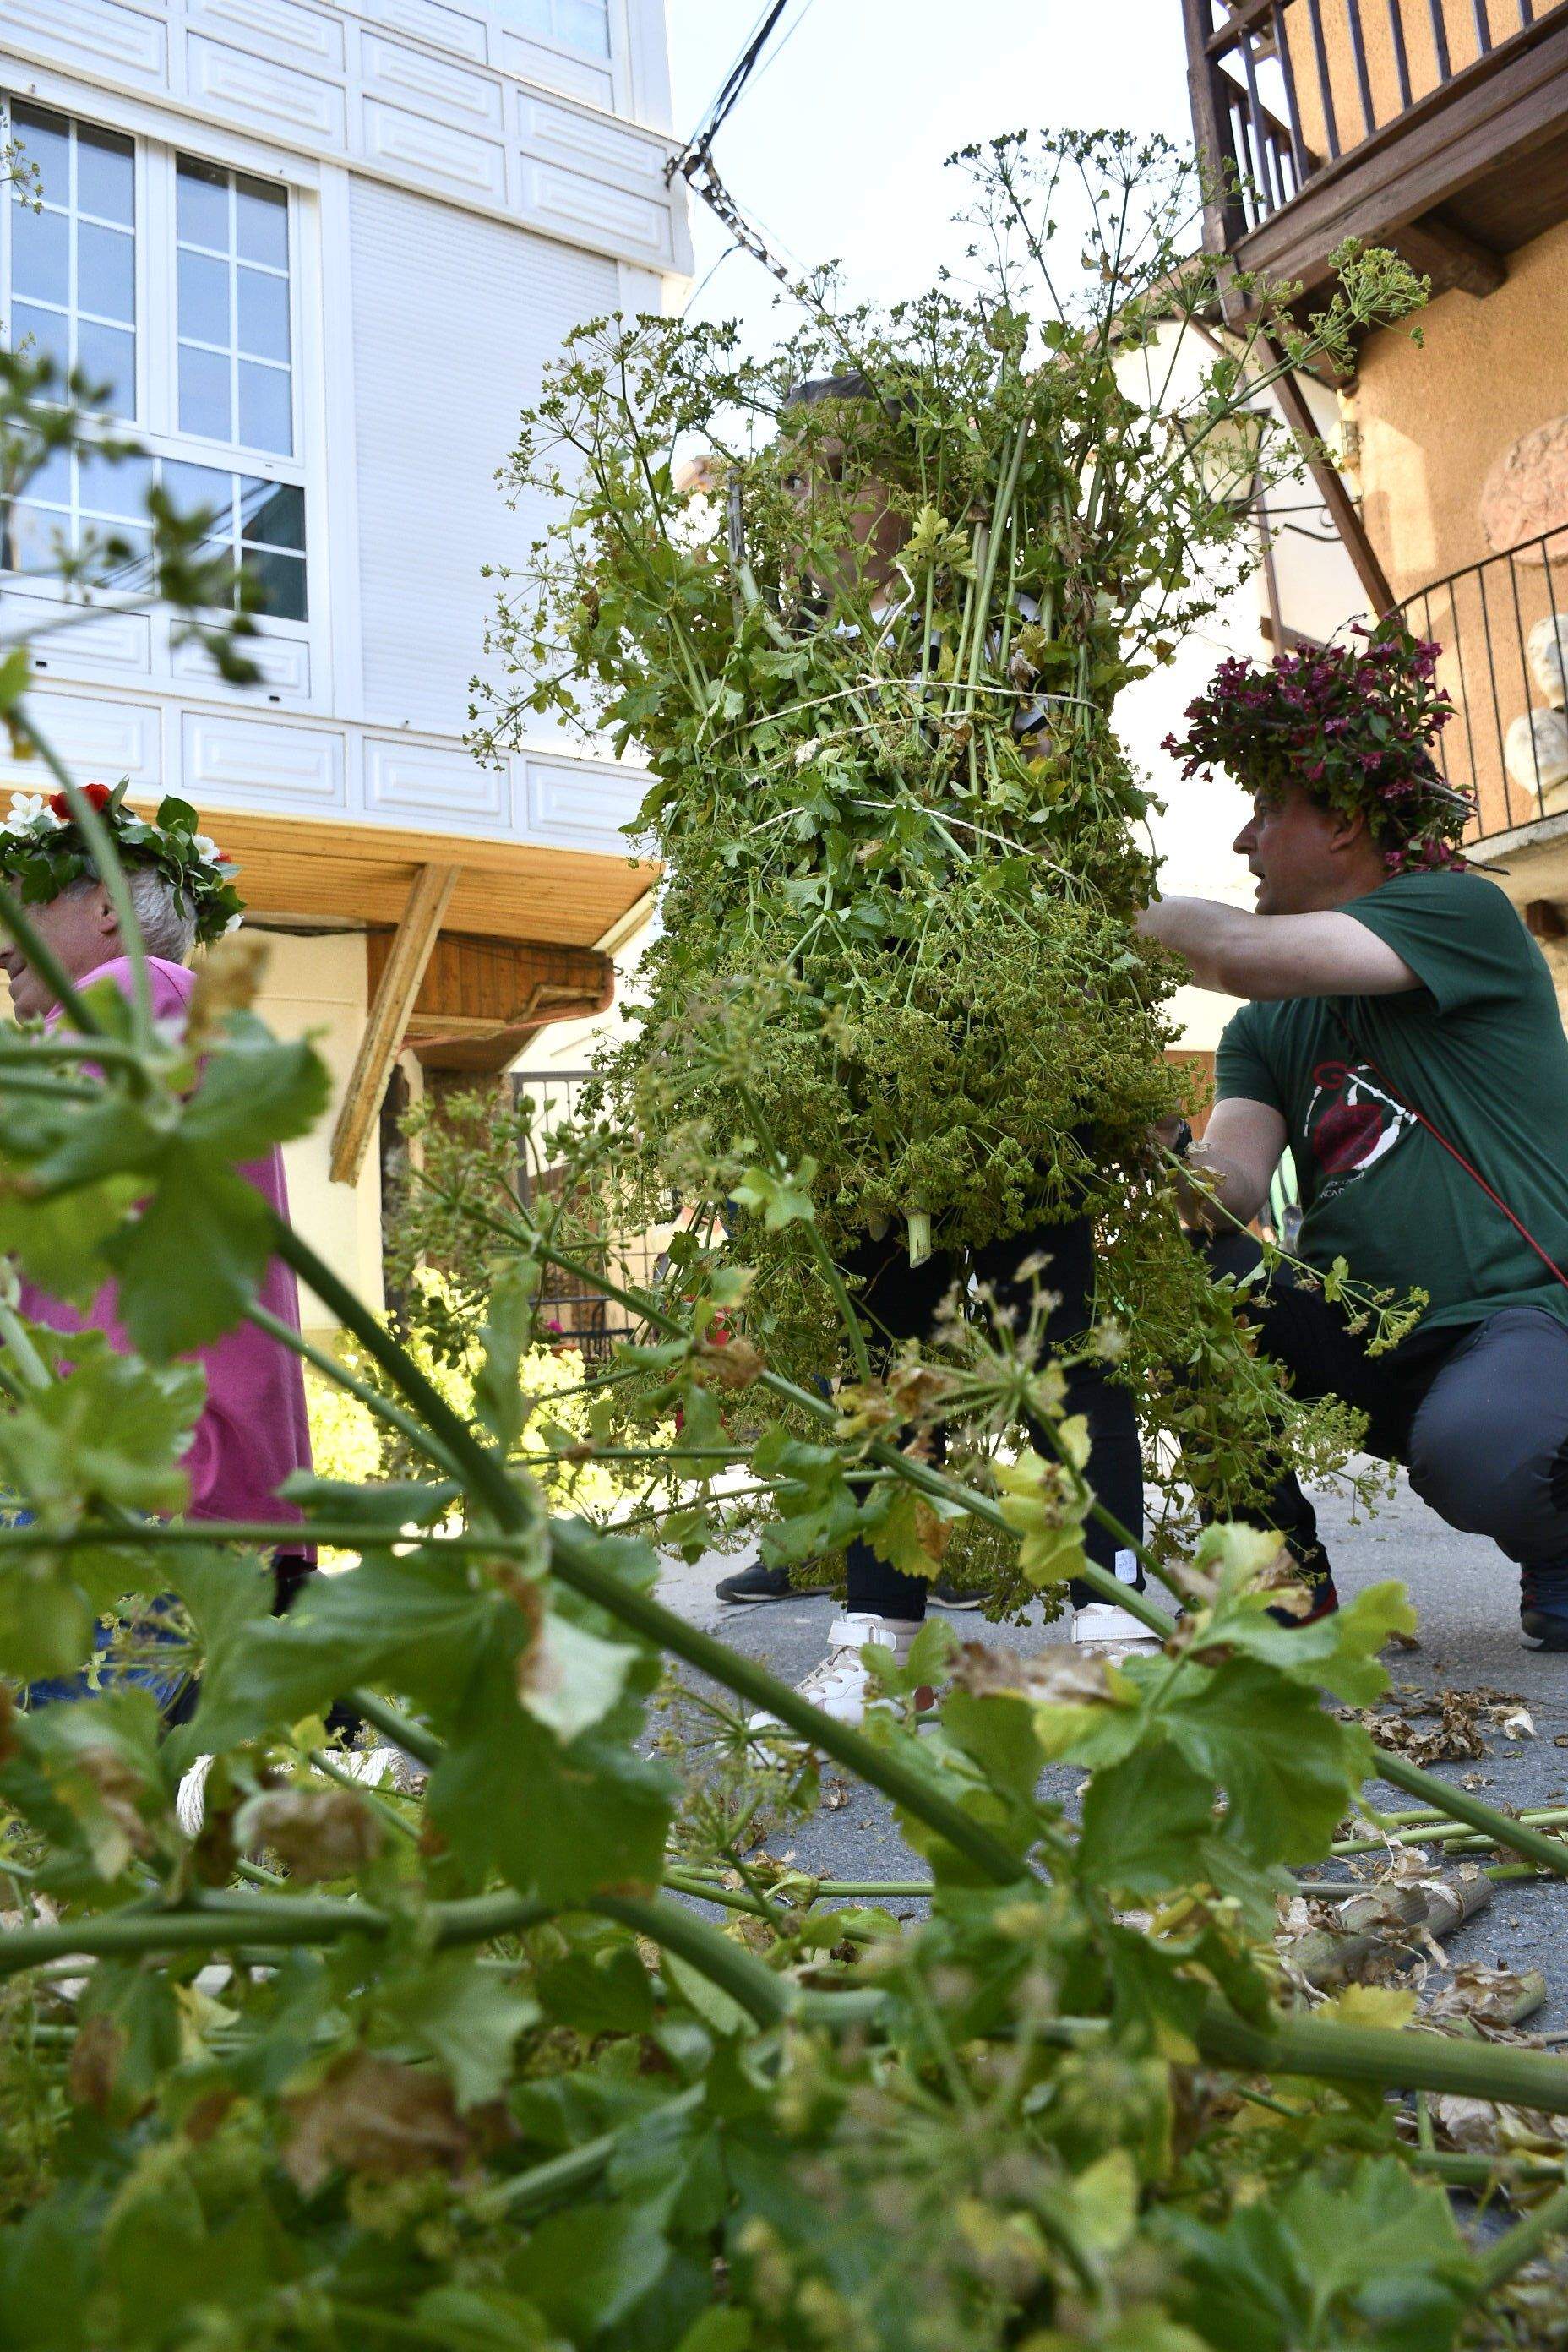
column 322, row 249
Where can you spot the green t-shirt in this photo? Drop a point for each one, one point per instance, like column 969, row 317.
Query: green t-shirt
column 1478, row 1049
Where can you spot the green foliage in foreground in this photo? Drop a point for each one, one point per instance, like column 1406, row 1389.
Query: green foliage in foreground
column 535, row 2045
column 467, row 2066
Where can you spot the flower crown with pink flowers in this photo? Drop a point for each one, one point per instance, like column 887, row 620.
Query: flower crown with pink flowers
column 42, row 851
column 1354, row 728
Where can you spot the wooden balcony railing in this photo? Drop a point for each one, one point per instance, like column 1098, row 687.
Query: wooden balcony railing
column 1502, row 624
column 1293, row 97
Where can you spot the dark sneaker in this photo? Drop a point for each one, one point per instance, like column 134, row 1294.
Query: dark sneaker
column 759, row 1583
column 1543, row 1608
column 947, row 1595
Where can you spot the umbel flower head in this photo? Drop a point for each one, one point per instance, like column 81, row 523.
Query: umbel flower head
column 42, row 851
column 1352, row 726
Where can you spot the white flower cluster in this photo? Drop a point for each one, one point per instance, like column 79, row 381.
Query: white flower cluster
column 29, row 813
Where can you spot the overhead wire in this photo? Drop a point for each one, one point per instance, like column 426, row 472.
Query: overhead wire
column 694, row 161
column 735, row 82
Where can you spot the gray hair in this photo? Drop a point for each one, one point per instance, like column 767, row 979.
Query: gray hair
column 166, row 919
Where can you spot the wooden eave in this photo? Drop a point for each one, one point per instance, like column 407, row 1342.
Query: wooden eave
column 305, row 869
column 1455, row 155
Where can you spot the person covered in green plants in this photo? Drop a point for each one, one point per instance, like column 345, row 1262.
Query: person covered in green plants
column 896, row 1013
column 861, row 585
column 1403, row 1040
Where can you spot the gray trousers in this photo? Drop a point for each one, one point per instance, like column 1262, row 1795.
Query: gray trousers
column 1477, row 1414
column 1488, row 1442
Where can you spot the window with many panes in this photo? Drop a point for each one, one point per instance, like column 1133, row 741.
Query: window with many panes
column 236, row 376
column 73, row 256
column 582, row 24
column 77, row 501
column 217, row 376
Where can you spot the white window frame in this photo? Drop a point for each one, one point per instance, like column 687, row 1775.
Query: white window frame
column 511, row 13
column 46, row 104
column 618, row 65
column 156, row 423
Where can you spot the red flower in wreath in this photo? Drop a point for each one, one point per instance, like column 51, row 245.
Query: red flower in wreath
column 99, row 794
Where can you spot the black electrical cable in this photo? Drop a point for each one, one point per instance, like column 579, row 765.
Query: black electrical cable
column 695, row 151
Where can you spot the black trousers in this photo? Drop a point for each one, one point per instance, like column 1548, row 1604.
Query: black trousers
column 901, row 1301
column 1478, row 1412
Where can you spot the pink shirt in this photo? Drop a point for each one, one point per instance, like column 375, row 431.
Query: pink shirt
column 253, row 1430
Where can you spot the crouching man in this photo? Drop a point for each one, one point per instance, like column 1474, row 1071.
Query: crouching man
column 252, row 1433
column 1403, row 1040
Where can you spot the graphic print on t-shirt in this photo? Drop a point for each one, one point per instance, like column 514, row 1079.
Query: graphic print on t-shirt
column 1353, row 1122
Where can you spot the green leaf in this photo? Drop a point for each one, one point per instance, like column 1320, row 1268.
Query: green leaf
column 720, row 2330
column 194, row 1260
column 391, row 1504
column 110, row 1137
column 482, row 2319
column 1372, row 2258
column 587, row 2268
column 499, row 1399
column 105, row 1432
column 58, row 1243
column 779, row 1199
column 1289, row 1770
column 1338, row 1654
column 421, row 1620
column 555, row 1820
column 603, row 1988
column 469, row 2022
column 257, row 1090
column 1146, row 1822
column 569, row 1679
column 1154, row 2006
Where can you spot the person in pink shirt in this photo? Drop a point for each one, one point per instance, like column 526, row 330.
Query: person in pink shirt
column 253, row 1431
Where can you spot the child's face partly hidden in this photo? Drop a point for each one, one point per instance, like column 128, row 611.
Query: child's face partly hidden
column 870, row 533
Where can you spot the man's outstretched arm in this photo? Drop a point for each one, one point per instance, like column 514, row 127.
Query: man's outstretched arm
column 1234, row 1163
column 1271, row 956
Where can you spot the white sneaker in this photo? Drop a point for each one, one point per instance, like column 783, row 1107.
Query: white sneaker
column 371, row 1767
column 840, row 1684
column 1101, row 1629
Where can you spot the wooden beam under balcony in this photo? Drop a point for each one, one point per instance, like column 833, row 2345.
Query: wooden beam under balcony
column 387, row 1022
column 1487, row 152
column 481, row 1001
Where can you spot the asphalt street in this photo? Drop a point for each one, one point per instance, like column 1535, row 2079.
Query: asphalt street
column 1467, row 1597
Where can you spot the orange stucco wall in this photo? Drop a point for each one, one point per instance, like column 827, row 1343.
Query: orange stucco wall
column 1434, row 419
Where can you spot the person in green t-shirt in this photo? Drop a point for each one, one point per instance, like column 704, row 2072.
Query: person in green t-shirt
column 1403, row 1040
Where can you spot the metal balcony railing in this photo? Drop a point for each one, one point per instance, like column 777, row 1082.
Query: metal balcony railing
column 1502, row 624
column 1283, row 88
column 572, row 1312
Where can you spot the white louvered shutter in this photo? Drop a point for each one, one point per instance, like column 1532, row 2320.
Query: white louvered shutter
column 454, row 317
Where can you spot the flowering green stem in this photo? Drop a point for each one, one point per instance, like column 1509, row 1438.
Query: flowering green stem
column 574, row 1557
column 219, row 1924
column 1382, row 2056
column 396, row 1726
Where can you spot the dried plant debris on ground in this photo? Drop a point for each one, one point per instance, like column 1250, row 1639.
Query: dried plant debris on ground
column 1460, row 1721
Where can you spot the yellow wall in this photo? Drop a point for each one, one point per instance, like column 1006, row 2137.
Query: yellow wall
column 318, row 985
column 1434, row 420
